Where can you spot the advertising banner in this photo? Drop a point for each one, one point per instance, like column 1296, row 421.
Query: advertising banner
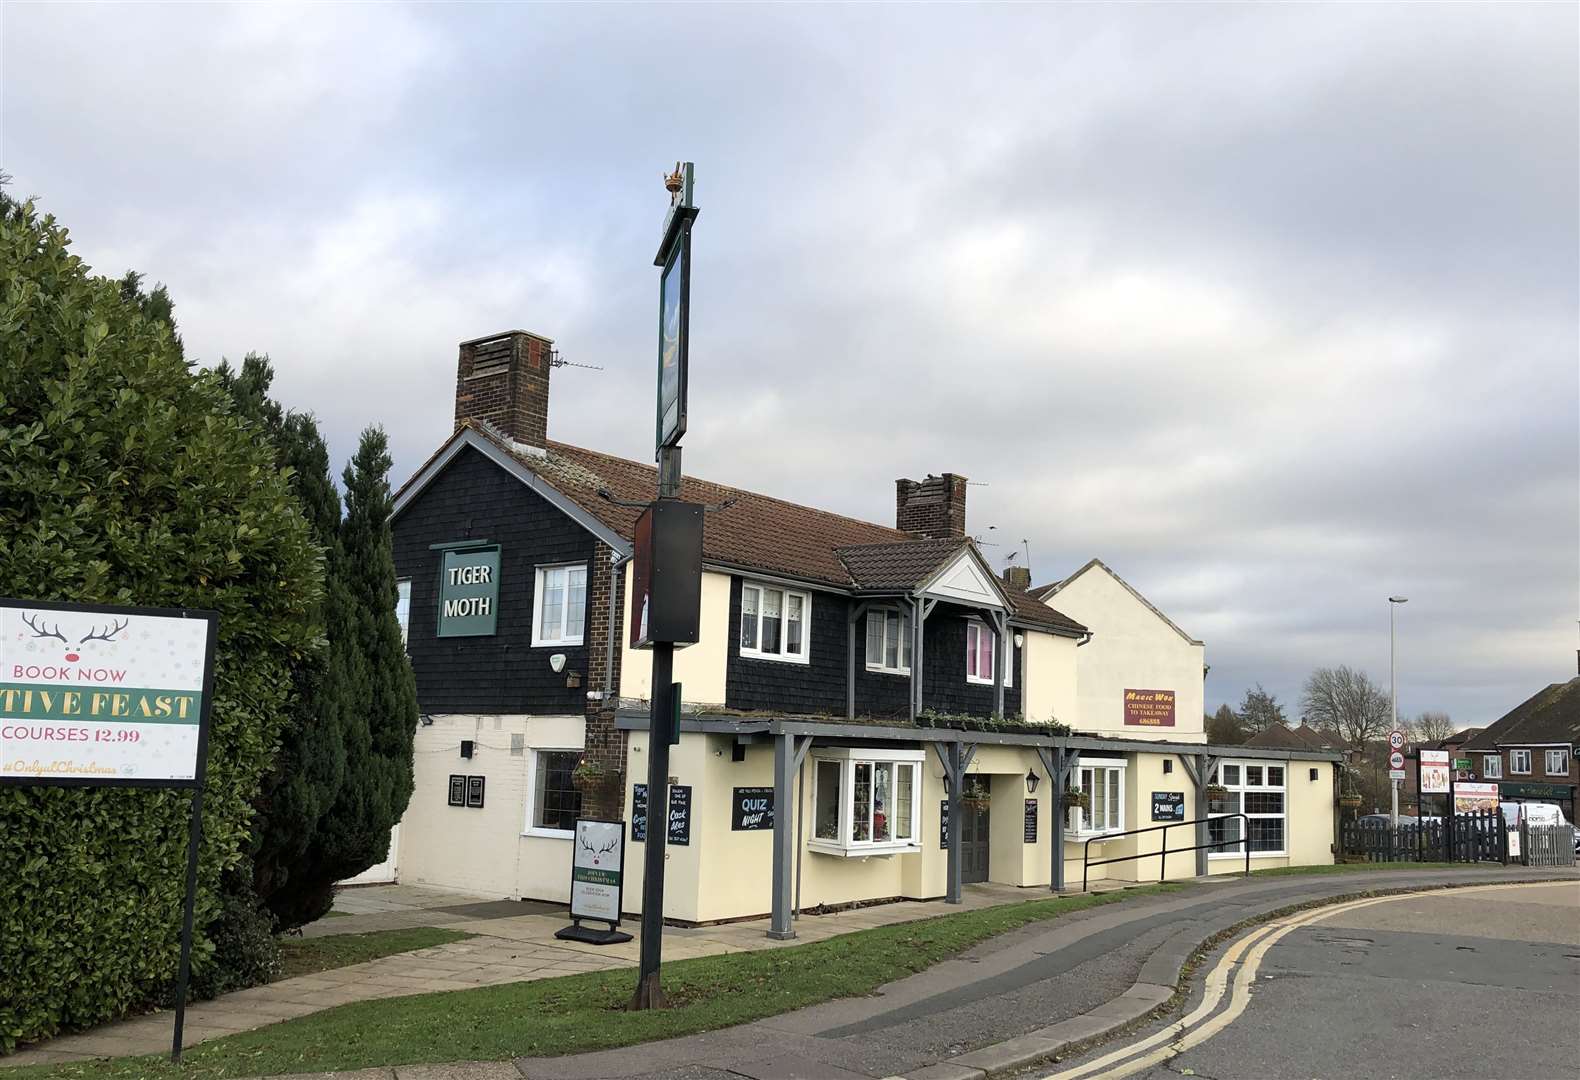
column 1434, row 772
column 1168, row 806
column 103, row 696
column 1470, row 798
column 1149, row 708
column 598, row 870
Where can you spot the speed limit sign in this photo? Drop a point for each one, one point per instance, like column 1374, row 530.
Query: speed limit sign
column 1396, row 740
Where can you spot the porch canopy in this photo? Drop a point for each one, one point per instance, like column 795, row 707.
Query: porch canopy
column 793, row 736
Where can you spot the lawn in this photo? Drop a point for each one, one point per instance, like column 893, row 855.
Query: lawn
column 586, row 1012
column 303, row 956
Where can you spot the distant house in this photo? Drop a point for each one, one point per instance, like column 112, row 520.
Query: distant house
column 1530, row 751
column 1136, row 659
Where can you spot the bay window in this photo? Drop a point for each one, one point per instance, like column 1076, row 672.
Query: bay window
column 1104, row 784
column 980, row 646
column 774, row 623
column 560, row 610
column 866, row 801
column 1255, row 789
column 889, row 641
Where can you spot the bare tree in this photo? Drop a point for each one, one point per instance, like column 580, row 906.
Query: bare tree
column 1431, row 726
column 1347, row 701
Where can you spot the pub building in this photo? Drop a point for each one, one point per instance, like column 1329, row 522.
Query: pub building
column 838, row 709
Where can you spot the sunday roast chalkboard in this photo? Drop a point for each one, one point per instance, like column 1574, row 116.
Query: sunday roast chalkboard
column 752, row 808
column 1029, row 835
column 943, row 824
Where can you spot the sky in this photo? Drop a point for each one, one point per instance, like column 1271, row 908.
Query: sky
column 1272, row 308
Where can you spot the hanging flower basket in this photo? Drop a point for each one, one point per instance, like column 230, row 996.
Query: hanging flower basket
column 1215, row 791
column 1350, row 801
column 1074, row 797
column 976, row 802
column 591, row 778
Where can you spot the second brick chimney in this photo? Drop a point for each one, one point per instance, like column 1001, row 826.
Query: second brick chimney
column 1018, row 577
column 502, row 381
column 934, row 508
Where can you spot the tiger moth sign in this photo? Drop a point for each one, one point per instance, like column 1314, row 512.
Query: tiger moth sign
column 103, row 696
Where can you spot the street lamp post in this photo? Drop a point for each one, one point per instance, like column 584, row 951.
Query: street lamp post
column 1393, row 694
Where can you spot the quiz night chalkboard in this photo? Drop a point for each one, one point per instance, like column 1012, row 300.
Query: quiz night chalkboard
column 752, row 808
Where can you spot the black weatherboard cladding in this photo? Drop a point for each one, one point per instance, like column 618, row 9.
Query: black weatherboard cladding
column 818, row 687
column 475, row 499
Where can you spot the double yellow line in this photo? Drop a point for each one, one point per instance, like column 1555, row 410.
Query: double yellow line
column 1201, row 1025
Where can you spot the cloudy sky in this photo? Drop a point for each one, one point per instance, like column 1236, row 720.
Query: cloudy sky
column 1274, row 309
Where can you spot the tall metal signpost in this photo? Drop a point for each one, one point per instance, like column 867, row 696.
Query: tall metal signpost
column 666, row 592
column 1396, row 739
column 100, row 696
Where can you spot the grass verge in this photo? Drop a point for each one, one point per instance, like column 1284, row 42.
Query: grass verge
column 303, row 956
column 1349, row 868
column 577, row 1013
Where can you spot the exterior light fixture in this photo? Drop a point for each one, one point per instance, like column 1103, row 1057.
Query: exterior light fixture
column 1031, row 781
column 557, row 662
column 1020, row 640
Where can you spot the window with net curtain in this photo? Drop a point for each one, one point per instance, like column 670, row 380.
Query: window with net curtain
column 561, row 605
column 889, row 641
column 774, row 622
column 1104, row 785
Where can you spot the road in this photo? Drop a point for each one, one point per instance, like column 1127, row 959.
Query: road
column 1470, row 983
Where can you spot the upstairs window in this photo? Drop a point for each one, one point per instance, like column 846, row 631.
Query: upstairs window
column 1492, row 767
column 980, row 646
column 774, row 623
column 1520, row 762
column 561, row 605
column 889, row 641
column 1557, row 763
column 403, row 606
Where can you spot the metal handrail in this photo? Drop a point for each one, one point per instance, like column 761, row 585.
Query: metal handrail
column 1163, row 855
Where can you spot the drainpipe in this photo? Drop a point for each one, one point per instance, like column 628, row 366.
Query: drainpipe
column 610, row 691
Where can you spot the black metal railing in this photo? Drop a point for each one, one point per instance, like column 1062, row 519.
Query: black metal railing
column 1165, row 851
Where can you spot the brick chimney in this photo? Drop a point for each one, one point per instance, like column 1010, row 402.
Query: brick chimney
column 1018, row 577
column 933, row 508
column 502, row 381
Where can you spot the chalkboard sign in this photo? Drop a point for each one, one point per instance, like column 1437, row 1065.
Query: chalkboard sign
column 1029, row 835
column 457, row 790
column 638, row 813
column 679, row 814
column 752, row 808
column 943, row 824
column 474, row 791
column 1168, row 806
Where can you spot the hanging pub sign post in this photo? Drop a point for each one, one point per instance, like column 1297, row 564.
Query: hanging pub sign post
column 597, row 882
column 100, row 696
column 666, row 597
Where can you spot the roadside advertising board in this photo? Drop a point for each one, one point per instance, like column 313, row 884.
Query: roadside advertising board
column 1472, row 797
column 1434, row 772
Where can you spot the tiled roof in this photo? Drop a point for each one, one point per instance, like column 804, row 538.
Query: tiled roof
column 1278, row 735
column 1550, row 716
column 902, row 565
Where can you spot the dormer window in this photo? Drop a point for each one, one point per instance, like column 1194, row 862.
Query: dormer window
column 889, row 641
column 774, row 623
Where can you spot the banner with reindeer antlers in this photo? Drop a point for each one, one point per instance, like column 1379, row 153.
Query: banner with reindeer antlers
column 598, row 870
column 101, row 695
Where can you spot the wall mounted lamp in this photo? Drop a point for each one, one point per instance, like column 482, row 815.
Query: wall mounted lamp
column 1032, row 780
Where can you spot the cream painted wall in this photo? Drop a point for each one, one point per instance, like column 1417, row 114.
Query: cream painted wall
column 1049, row 677
column 1308, row 824
column 699, row 668
column 484, row 851
column 1131, row 648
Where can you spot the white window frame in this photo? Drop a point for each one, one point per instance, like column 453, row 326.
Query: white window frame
column 982, row 627
column 1515, row 757
column 1243, row 787
column 528, row 828
column 1562, row 757
column 903, row 618
column 542, row 639
column 1492, row 766
column 755, row 652
column 403, row 606
column 1075, row 820
column 848, row 758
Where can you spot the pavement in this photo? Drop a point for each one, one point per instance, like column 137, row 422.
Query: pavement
column 1020, row 998
column 514, row 942
column 1458, row 985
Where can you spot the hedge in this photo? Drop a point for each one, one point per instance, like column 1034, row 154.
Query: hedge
column 124, row 479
